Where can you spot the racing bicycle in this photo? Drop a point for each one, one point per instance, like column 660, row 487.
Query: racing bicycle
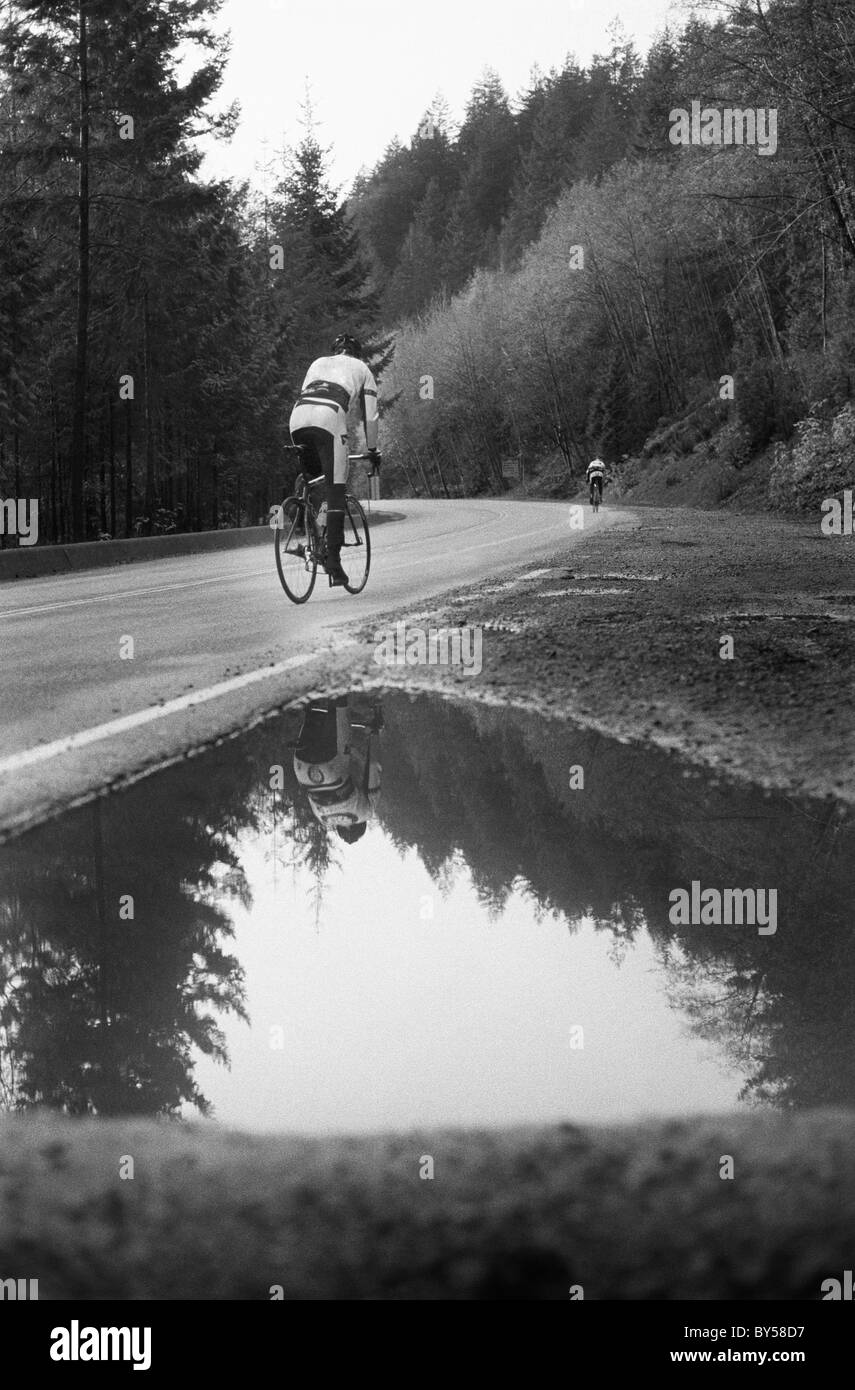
column 299, row 539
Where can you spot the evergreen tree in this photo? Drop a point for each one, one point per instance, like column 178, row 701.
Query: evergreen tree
column 547, row 167
column 487, row 148
column 325, row 243
column 660, row 90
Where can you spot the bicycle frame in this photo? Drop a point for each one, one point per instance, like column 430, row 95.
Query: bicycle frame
column 311, row 508
column 312, row 482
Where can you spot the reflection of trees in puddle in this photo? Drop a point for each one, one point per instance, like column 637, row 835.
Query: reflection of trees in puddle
column 784, row 1010
column 100, row 1014
column 491, row 788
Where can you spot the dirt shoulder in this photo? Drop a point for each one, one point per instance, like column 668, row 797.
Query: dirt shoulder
column 623, row 630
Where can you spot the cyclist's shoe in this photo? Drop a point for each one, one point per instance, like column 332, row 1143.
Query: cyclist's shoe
column 338, row 578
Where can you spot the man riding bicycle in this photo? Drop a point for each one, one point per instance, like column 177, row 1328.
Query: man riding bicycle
column 332, row 387
column 596, row 477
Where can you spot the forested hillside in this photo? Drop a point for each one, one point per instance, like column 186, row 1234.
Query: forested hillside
column 549, row 278
column 565, row 279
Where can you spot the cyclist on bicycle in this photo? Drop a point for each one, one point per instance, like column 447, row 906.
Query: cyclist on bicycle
column 332, row 387
column 596, row 477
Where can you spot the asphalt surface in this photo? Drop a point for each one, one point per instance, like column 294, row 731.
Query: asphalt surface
column 216, row 642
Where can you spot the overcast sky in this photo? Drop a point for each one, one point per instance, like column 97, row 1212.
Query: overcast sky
column 374, row 66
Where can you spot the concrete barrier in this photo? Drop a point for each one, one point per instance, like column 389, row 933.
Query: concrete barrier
column 29, row 562
column 637, row 1212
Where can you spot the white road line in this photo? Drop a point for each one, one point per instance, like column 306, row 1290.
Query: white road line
column 130, row 593
column 44, row 752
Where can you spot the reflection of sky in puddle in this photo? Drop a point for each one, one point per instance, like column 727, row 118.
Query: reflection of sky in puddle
column 393, row 1021
column 432, row 968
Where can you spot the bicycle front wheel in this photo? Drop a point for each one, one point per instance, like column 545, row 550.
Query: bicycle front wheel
column 356, row 548
column 295, row 543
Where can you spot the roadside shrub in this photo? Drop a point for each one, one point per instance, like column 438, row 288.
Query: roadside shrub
column 625, row 475
column 818, row 464
column 732, row 446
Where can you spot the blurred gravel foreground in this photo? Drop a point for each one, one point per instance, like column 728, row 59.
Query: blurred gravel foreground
column 636, row 1212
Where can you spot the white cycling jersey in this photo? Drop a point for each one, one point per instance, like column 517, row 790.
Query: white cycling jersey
column 338, row 384
column 596, row 469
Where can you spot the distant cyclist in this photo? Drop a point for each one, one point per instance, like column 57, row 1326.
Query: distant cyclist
column 332, row 387
column 596, row 477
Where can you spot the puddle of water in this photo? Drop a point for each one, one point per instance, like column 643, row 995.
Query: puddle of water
column 378, row 912
column 564, row 573
column 559, row 593
column 637, row 578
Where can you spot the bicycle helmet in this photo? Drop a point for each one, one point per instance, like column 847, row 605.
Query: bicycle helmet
column 346, row 343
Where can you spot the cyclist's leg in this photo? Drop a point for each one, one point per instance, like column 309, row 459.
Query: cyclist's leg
column 311, row 441
column 319, row 444
column 336, row 475
column 304, row 425
column 310, row 465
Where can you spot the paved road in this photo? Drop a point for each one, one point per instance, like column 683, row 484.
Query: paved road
column 215, row 641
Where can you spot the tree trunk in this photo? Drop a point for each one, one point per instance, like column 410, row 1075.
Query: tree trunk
column 149, row 504
column 428, row 488
column 102, row 479
column 824, row 291
column 54, row 474
column 78, row 425
column 436, row 460
column 129, row 471
column 112, row 433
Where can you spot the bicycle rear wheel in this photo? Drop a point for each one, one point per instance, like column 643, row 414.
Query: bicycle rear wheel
column 356, row 548
column 296, row 545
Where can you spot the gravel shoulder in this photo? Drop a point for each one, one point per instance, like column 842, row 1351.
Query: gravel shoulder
column 625, row 630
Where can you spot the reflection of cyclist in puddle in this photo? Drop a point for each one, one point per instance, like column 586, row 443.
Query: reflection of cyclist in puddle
column 342, row 781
